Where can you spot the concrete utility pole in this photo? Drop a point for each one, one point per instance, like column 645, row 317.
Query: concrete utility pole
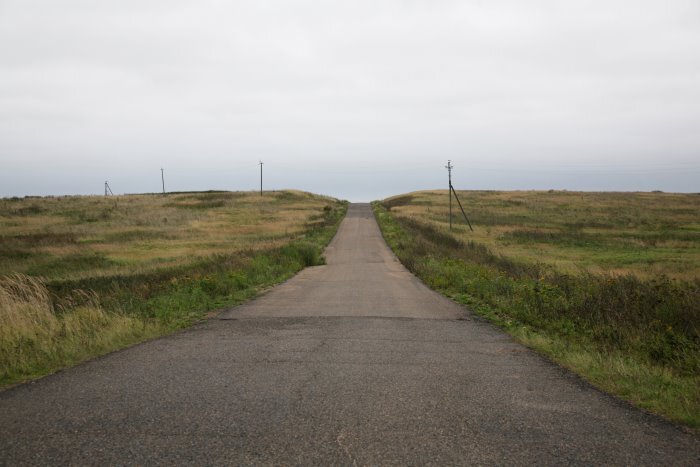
column 449, row 187
column 162, row 179
column 261, row 164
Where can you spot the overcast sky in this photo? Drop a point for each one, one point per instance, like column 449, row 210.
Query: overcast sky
column 358, row 100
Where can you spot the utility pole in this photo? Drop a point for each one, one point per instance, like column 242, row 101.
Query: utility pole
column 261, row 164
column 162, row 179
column 451, row 190
column 108, row 190
column 449, row 187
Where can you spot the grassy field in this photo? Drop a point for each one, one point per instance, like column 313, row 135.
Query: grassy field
column 81, row 276
column 607, row 284
column 646, row 234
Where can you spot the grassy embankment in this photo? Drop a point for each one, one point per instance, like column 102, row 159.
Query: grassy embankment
column 606, row 284
column 82, row 276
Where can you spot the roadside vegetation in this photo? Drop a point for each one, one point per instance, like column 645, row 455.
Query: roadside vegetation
column 82, row 276
column 606, row 284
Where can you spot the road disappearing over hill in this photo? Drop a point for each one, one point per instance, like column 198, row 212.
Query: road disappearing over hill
column 351, row 363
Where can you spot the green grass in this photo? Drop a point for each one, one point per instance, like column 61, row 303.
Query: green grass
column 645, row 234
column 72, row 289
column 636, row 336
column 135, row 233
column 36, row 338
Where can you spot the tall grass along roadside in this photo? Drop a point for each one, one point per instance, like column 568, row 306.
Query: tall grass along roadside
column 67, row 310
column 36, row 337
column 638, row 338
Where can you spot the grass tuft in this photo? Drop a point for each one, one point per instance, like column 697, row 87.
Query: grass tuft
column 35, row 338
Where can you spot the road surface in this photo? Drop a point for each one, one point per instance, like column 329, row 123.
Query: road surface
column 352, row 363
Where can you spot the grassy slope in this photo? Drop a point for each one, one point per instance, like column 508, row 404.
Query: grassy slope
column 636, row 337
column 117, row 271
column 647, row 234
column 87, row 236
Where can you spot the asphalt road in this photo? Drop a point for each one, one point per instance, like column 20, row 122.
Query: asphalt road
column 353, row 363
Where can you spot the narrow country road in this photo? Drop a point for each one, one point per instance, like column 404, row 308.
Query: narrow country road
column 352, row 363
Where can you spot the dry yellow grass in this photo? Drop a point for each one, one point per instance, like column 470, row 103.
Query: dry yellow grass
column 76, row 237
column 33, row 336
column 645, row 234
column 149, row 263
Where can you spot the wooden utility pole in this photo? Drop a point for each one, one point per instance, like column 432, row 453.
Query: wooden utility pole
column 449, row 187
column 162, row 179
column 451, row 190
column 261, row 190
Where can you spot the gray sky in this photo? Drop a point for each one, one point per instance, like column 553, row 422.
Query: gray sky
column 358, row 100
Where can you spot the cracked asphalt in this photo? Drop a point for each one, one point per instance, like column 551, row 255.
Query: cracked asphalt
column 351, row 363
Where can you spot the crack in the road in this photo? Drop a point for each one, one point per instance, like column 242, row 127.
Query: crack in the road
column 346, row 449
